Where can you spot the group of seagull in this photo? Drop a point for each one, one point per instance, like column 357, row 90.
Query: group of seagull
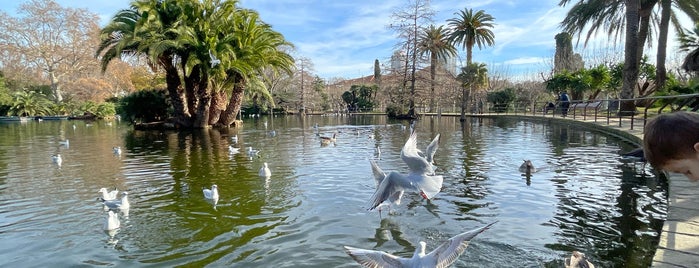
column 390, row 187
column 112, row 204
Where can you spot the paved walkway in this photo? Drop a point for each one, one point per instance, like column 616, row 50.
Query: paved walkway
column 679, row 241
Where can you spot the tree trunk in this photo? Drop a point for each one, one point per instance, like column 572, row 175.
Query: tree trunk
column 234, row 104
column 203, row 94
column 630, row 72
column 218, row 104
column 181, row 114
column 660, row 71
column 465, row 95
column 433, row 71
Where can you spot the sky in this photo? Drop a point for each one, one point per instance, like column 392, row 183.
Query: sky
column 342, row 38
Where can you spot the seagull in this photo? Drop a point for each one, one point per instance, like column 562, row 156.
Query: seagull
column 235, row 138
column 108, row 195
column 211, row 194
column 265, row 172
column 112, row 222
column 419, row 179
column 57, row 159
column 117, row 150
column 252, row 152
column 233, row 150
column 265, row 123
column 122, row 204
column 527, row 167
column 442, row 256
column 65, row 143
column 578, row 260
column 214, row 60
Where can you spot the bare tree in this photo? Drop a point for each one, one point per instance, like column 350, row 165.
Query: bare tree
column 407, row 22
column 57, row 41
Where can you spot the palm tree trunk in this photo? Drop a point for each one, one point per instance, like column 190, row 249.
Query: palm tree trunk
column 630, row 72
column 660, row 71
column 198, row 82
column 433, row 71
column 234, row 104
column 218, row 104
column 181, row 114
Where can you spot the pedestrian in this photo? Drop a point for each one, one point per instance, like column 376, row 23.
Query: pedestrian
column 565, row 103
column 671, row 143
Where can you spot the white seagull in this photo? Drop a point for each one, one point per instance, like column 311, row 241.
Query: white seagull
column 214, row 60
column 65, row 143
column 233, row 150
column 108, row 195
column 211, row 194
column 112, row 222
column 122, row 204
column 420, row 178
column 265, row 172
column 117, row 150
column 235, row 138
column 443, row 256
column 57, row 159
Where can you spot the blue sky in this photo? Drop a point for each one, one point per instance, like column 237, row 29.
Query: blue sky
column 344, row 37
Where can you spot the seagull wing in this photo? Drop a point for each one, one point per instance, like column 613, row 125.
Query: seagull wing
column 373, row 258
column 411, row 156
column 389, row 189
column 431, row 149
column 379, row 175
column 208, row 194
column 451, row 249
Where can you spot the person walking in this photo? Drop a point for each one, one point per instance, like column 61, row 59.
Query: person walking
column 565, row 103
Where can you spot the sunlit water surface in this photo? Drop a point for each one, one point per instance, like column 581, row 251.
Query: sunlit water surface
column 582, row 198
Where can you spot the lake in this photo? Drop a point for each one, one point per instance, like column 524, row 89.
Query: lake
column 583, row 197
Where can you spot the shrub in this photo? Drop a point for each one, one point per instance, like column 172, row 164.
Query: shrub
column 144, row 106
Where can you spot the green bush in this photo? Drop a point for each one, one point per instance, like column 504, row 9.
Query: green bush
column 395, row 110
column 144, row 106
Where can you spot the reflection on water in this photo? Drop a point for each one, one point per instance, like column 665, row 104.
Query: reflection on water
column 581, row 197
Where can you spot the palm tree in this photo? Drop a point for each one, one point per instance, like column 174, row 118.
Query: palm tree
column 473, row 76
column 609, row 16
column 435, row 42
column 195, row 43
column 253, row 47
column 470, row 29
column 689, row 42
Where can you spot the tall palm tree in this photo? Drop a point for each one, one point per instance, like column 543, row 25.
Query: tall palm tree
column 254, row 47
column 609, row 16
column 631, row 62
column 470, row 29
column 434, row 41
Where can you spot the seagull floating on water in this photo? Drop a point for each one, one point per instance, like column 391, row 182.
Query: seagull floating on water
column 442, row 256
column 57, row 159
column 65, row 143
column 117, row 150
column 122, row 204
column 578, row 260
column 108, row 195
column 420, row 179
column 211, row 194
column 233, row 150
column 112, row 222
column 264, row 171
column 234, row 138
